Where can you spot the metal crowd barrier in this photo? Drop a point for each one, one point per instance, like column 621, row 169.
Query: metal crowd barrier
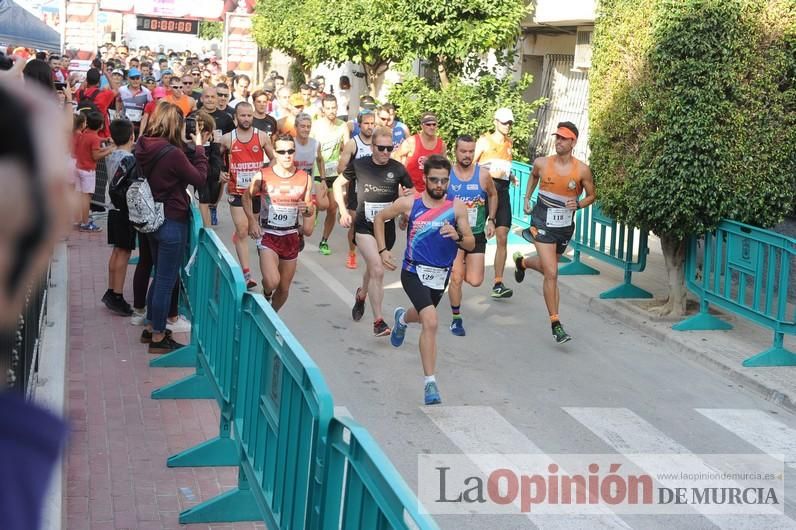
column 745, row 270
column 600, row 236
column 219, row 288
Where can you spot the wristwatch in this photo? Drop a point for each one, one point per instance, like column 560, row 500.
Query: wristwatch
column 461, row 238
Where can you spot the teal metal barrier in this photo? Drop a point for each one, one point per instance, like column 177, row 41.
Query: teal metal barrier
column 214, row 341
column 600, row 236
column 746, row 271
column 518, row 216
column 362, row 489
column 185, row 357
column 282, row 414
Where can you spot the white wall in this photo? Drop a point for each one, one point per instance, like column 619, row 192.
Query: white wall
column 536, row 44
column 559, row 13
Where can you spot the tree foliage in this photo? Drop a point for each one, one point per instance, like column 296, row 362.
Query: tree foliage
column 209, row 30
column 467, row 108
column 693, row 112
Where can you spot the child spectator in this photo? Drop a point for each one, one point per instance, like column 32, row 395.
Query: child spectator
column 88, row 149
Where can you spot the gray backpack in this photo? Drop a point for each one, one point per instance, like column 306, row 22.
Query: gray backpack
column 146, row 214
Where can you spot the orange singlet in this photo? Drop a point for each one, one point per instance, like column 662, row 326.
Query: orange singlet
column 184, row 103
column 286, row 196
column 245, row 161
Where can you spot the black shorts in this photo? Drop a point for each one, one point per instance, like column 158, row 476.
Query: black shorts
column 420, row 295
column 503, row 213
column 208, row 194
column 361, row 226
column 121, row 232
column 559, row 236
column 480, row 245
column 236, row 201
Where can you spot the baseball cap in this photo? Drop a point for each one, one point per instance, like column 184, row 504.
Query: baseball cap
column 296, row 100
column 428, row 117
column 313, row 85
column 504, row 115
column 269, row 85
column 133, row 72
column 565, row 132
column 150, row 79
column 167, row 71
column 159, row 92
column 118, row 72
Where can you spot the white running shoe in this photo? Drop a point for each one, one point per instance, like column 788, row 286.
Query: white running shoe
column 138, row 319
column 181, row 325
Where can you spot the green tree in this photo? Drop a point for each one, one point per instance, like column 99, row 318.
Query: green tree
column 209, row 30
column 281, row 24
column 467, row 108
column 691, row 107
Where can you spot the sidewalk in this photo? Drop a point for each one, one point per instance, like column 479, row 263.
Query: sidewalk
column 116, row 459
column 719, row 351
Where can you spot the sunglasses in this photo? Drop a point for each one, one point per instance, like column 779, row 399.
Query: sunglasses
column 508, row 123
column 134, row 77
column 176, row 87
column 438, row 180
column 187, row 82
column 285, row 151
column 223, row 94
column 431, row 123
column 383, row 148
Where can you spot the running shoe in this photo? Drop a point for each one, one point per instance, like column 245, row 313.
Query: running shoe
column 359, row 306
column 250, row 284
column 146, row 336
column 501, row 291
column 138, row 318
column 380, row 328
column 116, row 304
column 398, row 330
column 213, row 216
column 90, row 227
column 519, row 270
column 323, row 248
column 180, row 325
column 351, row 261
column 457, row 327
column 165, row 345
column 432, row 394
column 560, row 335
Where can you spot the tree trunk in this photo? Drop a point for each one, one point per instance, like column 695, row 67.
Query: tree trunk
column 374, row 77
column 444, row 81
column 674, row 257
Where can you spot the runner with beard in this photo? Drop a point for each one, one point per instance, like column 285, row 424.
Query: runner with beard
column 438, row 228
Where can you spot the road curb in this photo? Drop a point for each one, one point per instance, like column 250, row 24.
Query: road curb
column 629, row 315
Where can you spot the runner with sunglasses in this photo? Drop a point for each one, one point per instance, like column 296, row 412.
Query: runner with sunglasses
column 438, row 229
column 414, row 151
column 378, row 181
column 285, row 193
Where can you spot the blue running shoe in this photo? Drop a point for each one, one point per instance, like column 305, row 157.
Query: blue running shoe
column 398, row 330
column 457, row 327
column 432, row 394
column 213, row 216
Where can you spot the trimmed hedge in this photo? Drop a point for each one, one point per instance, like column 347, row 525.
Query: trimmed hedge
column 693, row 112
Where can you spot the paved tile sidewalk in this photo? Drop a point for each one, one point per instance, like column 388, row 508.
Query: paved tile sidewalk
column 116, row 459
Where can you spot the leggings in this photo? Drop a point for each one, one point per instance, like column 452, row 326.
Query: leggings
column 143, row 272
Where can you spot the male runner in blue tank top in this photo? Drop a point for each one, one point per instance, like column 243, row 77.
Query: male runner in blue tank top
column 438, row 228
column 477, row 190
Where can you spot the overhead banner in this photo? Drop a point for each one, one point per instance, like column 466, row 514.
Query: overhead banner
column 240, row 50
column 191, row 9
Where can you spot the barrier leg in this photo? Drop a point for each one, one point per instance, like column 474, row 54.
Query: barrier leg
column 216, row 452
column 234, row 505
column 196, row 386
column 133, row 260
column 776, row 355
column 626, row 290
column 577, row 267
column 182, row 358
column 702, row 321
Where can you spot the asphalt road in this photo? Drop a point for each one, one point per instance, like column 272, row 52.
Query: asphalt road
column 509, row 389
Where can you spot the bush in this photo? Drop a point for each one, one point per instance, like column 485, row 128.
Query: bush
column 467, row 108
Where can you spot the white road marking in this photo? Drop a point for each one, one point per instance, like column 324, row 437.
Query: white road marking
column 759, row 429
column 483, row 431
column 633, row 437
column 327, row 279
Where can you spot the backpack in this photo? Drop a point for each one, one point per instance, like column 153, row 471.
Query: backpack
column 127, row 172
column 144, row 212
column 86, row 103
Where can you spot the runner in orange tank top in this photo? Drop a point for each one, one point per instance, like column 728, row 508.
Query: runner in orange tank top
column 286, row 193
column 562, row 178
column 247, row 148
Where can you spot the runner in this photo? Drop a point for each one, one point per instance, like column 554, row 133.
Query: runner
column 357, row 147
column 287, row 123
column 332, row 134
column 262, row 120
column 246, row 147
column 476, row 190
column 438, row 229
column 493, row 154
column 377, row 180
column 561, row 179
column 132, row 100
column 400, row 131
column 308, row 158
column 187, row 104
column 285, row 192
column 414, row 150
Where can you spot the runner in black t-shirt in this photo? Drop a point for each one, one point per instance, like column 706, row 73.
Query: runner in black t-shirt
column 379, row 181
column 224, row 124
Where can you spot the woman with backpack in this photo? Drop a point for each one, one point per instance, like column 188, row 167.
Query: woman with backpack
column 170, row 164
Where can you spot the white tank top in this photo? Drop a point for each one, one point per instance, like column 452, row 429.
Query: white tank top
column 306, row 156
column 363, row 149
